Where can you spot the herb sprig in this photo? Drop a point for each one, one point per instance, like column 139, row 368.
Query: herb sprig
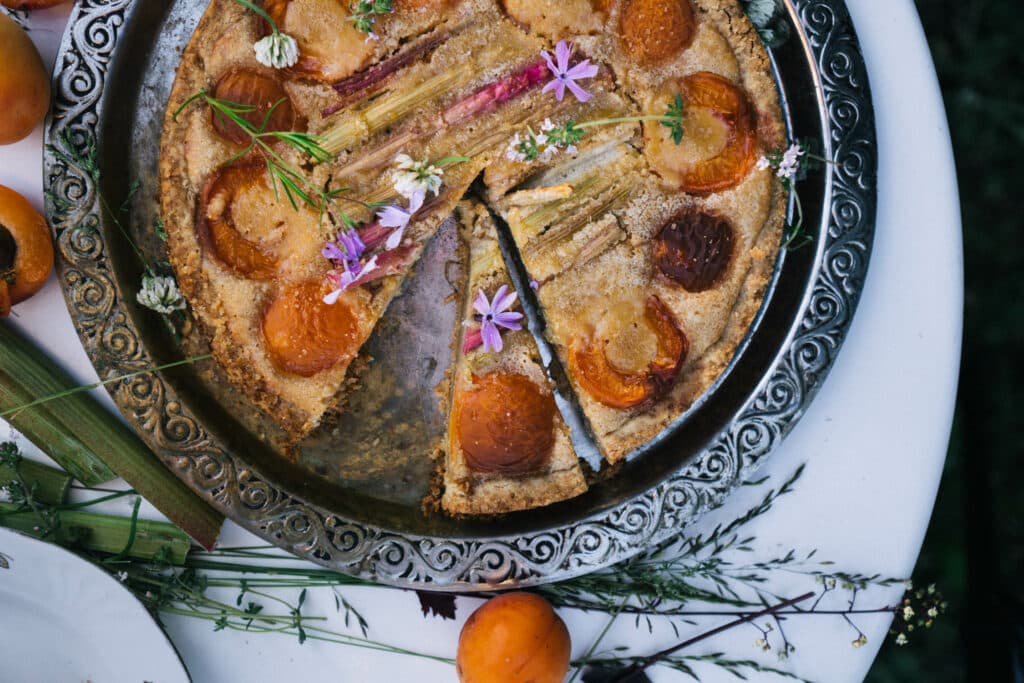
column 364, row 13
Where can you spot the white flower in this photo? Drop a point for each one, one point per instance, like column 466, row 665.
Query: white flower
column 160, row 294
column 122, row 576
column 277, row 50
column 5, row 495
column 397, row 217
column 513, row 153
column 416, row 177
column 762, row 164
column 901, row 639
column 790, row 163
column 908, row 613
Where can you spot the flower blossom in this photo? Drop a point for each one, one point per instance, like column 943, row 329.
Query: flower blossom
column 790, row 162
column 763, row 163
column 348, row 253
column 494, row 314
column 416, row 177
column 161, row 294
column 277, row 50
column 396, row 217
column 565, row 76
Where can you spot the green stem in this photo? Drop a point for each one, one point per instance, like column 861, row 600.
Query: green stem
column 107, row 534
column 46, row 484
column 261, row 12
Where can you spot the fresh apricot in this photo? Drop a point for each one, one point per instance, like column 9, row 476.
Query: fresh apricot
column 330, row 47
column 632, row 359
column 215, row 221
column 304, row 335
column 654, row 31
column 24, row 84
column 719, row 140
column 26, row 250
column 272, row 108
column 505, row 424
column 693, row 250
column 514, row 638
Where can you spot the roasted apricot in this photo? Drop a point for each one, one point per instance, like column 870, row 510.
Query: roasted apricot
column 693, row 250
column 304, row 335
column 24, row 83
column 632, row 358
column 719, row 136
column 330, row 47
column 26, row 250
column 215, row 221
column 272, row 108
column 654, row 31
column 513, row 638
column 506, row 425
column 557, row 18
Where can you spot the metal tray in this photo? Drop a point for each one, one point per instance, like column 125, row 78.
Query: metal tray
column 355, row 507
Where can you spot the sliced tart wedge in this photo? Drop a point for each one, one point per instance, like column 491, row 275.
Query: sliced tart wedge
column 508, row 447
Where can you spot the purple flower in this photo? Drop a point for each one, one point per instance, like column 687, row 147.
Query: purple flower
column 348, row 277
column 566, row 77
column 348, row 249
column 495, row 314
column 396, row 217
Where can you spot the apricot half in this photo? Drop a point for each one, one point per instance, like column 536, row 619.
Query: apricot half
column 26, row 250
column 272, row 108
column 24, row 83
column 506, row 425
column 330, row 47
column 719, row 141
column 304, row 335
column 514, row 638
column 693, row 250
column 632, row 358
column 215, row 221
column 654, row 31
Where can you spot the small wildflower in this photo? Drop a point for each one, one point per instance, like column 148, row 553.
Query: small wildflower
column 908, row 613
column 566, row 75
column 161, row 294
column 149, row 594
column 790, row 163
column 494, row 314
column 534, row 285
column 5, row 495
column 932, row 612
column 762, row 164
column 122, row 576
column 760, row 642
column 416, row 177
column 901, row 639
column 861, row 641
column 277, row 50
column 348, row 254
column 396, row 217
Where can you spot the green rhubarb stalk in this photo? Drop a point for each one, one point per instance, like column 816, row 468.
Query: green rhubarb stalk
column 108, row 534
column 76, row 423
column 47, row 484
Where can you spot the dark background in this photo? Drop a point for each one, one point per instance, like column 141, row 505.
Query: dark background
column 974, row 550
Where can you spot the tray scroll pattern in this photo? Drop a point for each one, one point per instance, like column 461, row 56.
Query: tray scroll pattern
column 108, row 322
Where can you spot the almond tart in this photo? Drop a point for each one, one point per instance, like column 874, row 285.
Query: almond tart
column 616, row 138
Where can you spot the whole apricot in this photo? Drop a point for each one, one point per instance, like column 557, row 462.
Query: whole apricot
column 26, row 250
column 24, row 84
column 514, row 638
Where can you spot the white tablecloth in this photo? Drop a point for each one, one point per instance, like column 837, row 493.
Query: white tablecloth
column 874, row 439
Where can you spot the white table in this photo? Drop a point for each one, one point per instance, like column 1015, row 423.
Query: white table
column 874, row 439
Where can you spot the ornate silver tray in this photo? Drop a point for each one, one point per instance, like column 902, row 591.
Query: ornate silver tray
column 113, row 73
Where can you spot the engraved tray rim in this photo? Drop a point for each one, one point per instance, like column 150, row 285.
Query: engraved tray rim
column 113, row 341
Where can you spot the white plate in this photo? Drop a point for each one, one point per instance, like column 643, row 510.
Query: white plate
column 64, row 619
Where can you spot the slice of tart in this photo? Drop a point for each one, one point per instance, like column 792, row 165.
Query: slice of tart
column 507, row 447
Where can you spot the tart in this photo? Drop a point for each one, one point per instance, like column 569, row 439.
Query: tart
column 617, row 139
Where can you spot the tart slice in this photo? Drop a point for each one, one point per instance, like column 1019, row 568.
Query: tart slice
column 507, row 448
